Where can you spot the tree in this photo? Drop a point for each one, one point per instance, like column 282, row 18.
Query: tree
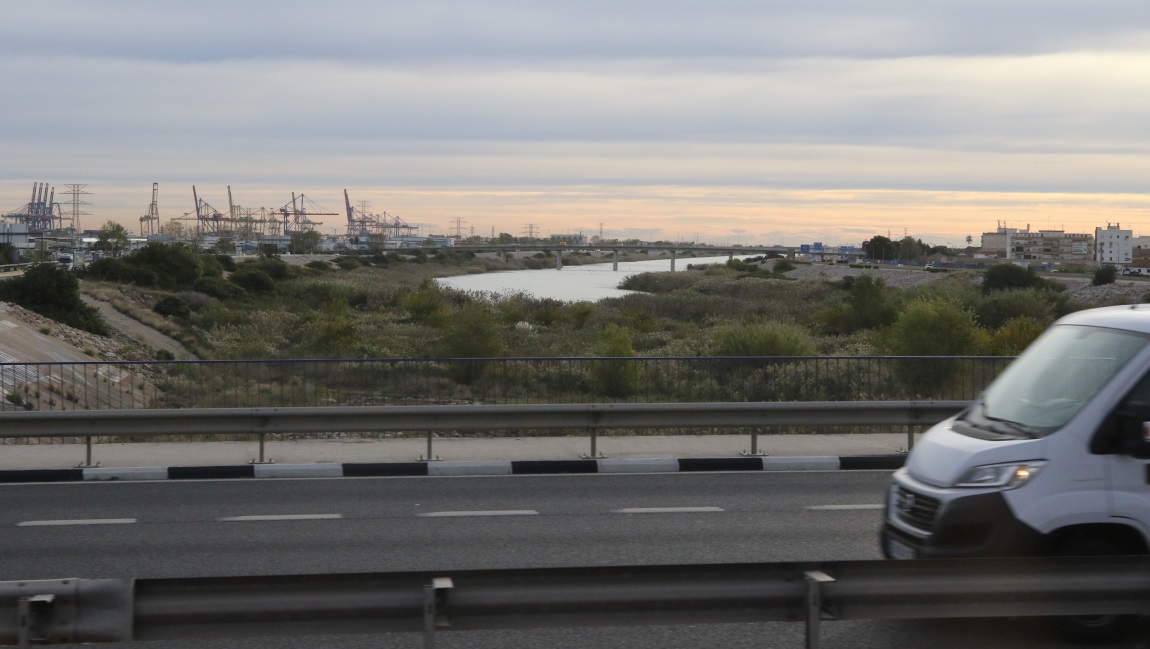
column 880, row 248
column 112, row 238
column 175, row 230
column 307, row 242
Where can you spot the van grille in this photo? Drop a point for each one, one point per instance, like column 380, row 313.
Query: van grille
column 915, row 509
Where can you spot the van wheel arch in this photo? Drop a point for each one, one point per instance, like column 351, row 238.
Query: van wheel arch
column 1121, row 537
column 1096, row 540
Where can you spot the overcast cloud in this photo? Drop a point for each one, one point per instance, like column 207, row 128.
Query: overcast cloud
column 759, row 122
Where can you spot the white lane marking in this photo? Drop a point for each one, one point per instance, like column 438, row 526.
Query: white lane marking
column 495, row 512
column 833, row 508
column 666, row 510
column 79, row 521
column 281, row 517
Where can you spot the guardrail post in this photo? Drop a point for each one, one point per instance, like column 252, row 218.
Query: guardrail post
column 754, row 444
column 430, row 455
column 594, row 451
column 261, row 459
column 26, row 617
column 435, row 608
column 87, row 454
column 815, row 580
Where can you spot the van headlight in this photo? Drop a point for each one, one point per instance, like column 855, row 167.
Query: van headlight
column 1004, row 476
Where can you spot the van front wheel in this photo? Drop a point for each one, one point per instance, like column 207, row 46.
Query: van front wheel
column 1094, row 628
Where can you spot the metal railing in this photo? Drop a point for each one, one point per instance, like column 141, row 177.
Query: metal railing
column 261, row 422
column 117, row 610
column 98, row 385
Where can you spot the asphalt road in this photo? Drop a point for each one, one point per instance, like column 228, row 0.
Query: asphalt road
column 186, row 529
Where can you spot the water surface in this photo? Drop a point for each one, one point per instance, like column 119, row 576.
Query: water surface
column 588, row 283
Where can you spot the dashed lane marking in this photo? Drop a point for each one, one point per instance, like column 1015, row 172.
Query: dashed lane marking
column 835, row 508
column 78, row 521
column 666, row 510
column 281, row 517
column 496, row 512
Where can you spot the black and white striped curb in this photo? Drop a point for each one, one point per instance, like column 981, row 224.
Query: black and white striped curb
column 443, row 468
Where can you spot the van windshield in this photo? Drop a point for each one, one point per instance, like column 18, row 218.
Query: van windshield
column 1053, row 379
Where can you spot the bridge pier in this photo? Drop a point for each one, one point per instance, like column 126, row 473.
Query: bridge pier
column 615, row 260
column 672, row 261
column 503, row 256
column 558, row 260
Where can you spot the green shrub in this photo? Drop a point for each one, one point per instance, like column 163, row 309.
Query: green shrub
column 1005, row 277
column 226, row 262
column 428, row 304
column 348, row 263
column 54, row 293
column 471, row 332
column 771, row 339
column 1014, row 336
column 172, row 306
column 615, row 378
column 1105, row 275
column 220, row 289
column 932, row 327
column 783, row 265
column 253, row 280
column 996, row 309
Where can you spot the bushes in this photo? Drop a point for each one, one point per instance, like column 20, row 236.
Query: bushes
column 763, row 340
column 171, row 306
column 868, row 306
column 615, row 378
column 1004, row 277
column 253, row 280
column 53, row 292
column 1105, row 275
column 471, row 332
column 932, row 327
column 219, row 288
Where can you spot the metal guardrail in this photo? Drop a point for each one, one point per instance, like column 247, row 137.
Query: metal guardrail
column 261, row 422
column 114, row 610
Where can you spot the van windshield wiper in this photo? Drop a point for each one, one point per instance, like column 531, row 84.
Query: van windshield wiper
column 1013, row 426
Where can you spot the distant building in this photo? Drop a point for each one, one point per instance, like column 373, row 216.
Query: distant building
column 16, row 234
column 1043, row 246
column 1052, row 245
column 1113, row 245
column 994, row 243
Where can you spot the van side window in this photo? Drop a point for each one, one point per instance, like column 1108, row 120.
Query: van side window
column 1109, row 436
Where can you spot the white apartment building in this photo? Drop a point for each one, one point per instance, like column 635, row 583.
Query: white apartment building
column 1113, row 245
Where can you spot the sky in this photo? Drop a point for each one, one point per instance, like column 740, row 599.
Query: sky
column 716, row 121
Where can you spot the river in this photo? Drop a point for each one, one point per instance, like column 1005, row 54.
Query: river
column 587, row 283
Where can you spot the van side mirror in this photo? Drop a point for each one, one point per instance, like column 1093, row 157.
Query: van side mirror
column 1134, row 429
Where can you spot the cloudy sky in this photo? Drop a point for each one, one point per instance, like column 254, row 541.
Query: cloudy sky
column 722, row 121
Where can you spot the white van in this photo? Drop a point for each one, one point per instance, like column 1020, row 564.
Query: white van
column 1052, row 459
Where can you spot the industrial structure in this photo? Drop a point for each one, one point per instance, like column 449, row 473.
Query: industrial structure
column 41, row 214
column 361, row 225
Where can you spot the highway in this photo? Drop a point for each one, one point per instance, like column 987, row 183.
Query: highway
column 255, row 527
